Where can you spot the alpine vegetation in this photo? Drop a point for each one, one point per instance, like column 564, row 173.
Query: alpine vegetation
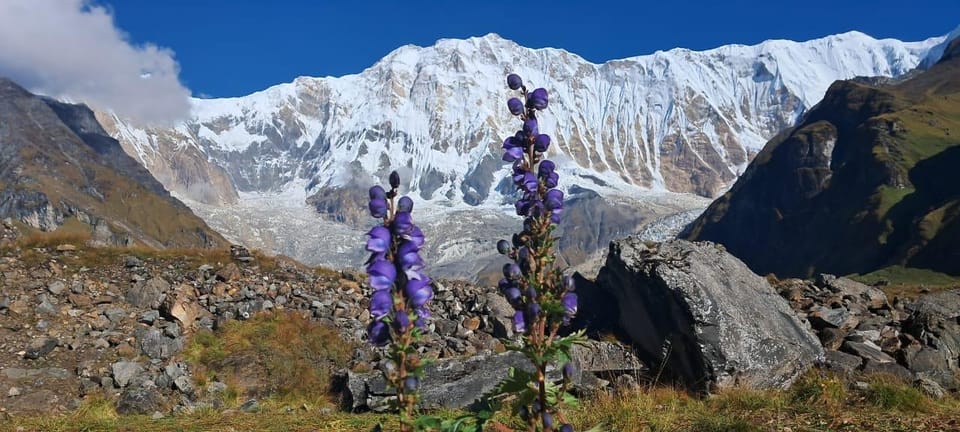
column 401, row 292
column 542, row 297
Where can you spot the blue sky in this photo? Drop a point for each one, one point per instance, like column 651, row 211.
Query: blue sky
column 231, row 48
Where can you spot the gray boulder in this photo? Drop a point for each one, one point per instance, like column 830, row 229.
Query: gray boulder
column 702, row 315
column 448, row 383
column 933, row 321
column 139, row 400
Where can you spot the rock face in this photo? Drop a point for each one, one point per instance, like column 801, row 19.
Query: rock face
column 57, row 165
column 934, row 321
column 461, row 383
column 866, row 180
column 704, row 316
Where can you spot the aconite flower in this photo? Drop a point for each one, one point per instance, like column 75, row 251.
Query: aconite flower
column 378, row 333
column 378, row 202
column 382, row 274
column 514, row 82
column 381, row 303
column 405, row 204
column 541, row 143
column 515, row 105
column 379, row 240
column 538, row 99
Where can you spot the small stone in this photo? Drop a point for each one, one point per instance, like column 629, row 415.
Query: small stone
column 150, row 316
column 868, row 351
column 66, row 248
column 930, row 387
column 40, row 347
column 471, row 323
column 124, row 371
column 131, row 261
column 184, row 384
column 13, row 392
column 250, row 406
column 56, row 287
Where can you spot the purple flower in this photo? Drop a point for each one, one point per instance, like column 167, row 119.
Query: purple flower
column 514, row 82
column 415, row 236
column 401, row 322
column 511, row 271
column 402, row 223
column 405, row 204
column 515, row 105
column 546, row 168
column 553, row 199
column 411, row 384
column 378, row 333
column 512, row 142
column 377, row 192
column 533, row 312
column 566, row 428
column 569, row 301
column 381, row 303
column 569, row 370
column 519, row 325
column 418, row 292
column 513, row 154
column 422, row 314
column 503, row 247
column 378, row 207
column 512, row 294
column 529, row 183
column 379, row 240
column 530, row 127
column 541, row 143
column 538, row 99
column 382, row 274
column 394, row 180
column 408, row 257
column 555, row 215
column 547, row 420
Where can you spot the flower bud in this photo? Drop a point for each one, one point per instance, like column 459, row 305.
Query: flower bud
column 394, row 180
column 503, row 247
column 538, row 99
column 569, row 370
column 566, row 428
column 511, row 271
column 547, row 420
column 378, row 333
column 405, row 204
column 515, row 106
column 541, row 143
column 378, row 207
column 514, row 82
column 411, row 384
column 377, row 192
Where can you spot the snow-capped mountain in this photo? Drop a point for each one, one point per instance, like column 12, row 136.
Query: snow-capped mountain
column 674, row 121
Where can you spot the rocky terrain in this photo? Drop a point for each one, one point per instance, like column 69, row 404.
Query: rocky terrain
column 59, row 167
column 81, row 321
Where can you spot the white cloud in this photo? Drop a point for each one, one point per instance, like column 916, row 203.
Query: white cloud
column 72, row 49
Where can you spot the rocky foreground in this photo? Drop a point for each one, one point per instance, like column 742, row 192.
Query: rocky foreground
column 78, row 321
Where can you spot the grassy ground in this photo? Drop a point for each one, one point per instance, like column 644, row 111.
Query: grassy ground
column 816, row 403
column 908, row 282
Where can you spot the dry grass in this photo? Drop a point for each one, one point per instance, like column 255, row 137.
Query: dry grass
column 284, row 356
column 817, row 402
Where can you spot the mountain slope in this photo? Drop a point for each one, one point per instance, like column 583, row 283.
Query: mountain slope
column 867, row 180
column 672, row 122
column 57, row 164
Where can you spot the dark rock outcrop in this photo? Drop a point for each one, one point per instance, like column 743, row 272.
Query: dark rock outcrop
column 703, row 316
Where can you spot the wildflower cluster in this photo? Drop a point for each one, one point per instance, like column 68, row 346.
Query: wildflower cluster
column 401, row 292
column 542, row 297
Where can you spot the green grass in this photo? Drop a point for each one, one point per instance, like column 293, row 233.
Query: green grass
column 908, row 282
